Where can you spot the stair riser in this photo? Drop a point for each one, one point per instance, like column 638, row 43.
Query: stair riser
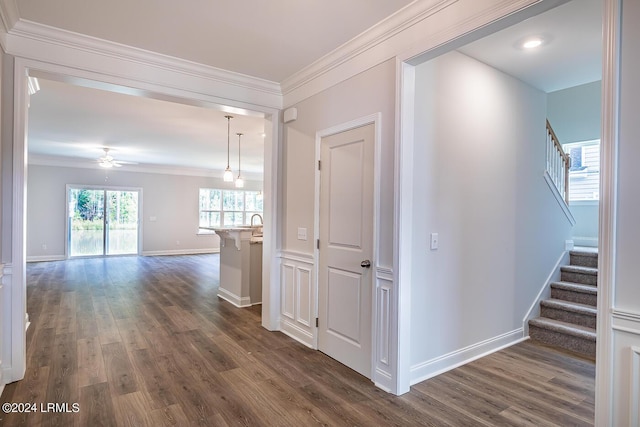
column 568, row 342
column 584, row 260
column 568, row 316
column 579, row 297
column 584, row 279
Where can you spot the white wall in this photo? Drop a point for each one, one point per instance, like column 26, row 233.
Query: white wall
column 574, row 114
column 626, row 292
column 172, row 199
column 478, row 183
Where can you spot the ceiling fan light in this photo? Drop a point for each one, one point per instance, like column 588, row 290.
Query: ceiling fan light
column 106, row 164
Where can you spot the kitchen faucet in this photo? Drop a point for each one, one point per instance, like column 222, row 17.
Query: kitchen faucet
column 256, row 215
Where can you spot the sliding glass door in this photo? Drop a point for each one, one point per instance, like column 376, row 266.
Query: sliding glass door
column 102, row 222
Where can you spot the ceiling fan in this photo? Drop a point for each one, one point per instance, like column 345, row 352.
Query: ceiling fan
column 107, row 161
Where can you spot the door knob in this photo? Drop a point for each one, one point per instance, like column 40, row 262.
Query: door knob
column 366, row 263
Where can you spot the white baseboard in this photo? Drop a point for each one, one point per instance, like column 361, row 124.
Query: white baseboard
column 298, row 334
column 591, row 242
column 181, row 252
column 46, row 258
column 238, row 301
column 436, row 366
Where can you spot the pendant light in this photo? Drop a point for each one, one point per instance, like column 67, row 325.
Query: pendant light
column 239, row 180
column 228, row 175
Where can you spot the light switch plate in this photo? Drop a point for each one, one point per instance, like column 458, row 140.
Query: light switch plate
column 434, row 241
column 302, row 233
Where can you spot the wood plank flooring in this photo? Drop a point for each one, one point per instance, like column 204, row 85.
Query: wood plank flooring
column 144, row 341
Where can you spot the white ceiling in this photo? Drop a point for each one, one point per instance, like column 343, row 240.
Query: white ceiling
column 570, row 56
column 74, row 124
column 266, row 39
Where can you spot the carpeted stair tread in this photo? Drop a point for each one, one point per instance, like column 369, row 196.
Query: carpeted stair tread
column 574, row 307
column 576, row 287
column 585, row 258
column 577, row 331
column 580, row 269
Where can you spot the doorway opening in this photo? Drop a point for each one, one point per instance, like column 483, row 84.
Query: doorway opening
column 102, row 221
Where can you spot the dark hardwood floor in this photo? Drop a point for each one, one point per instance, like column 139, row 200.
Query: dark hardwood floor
column 145, row 341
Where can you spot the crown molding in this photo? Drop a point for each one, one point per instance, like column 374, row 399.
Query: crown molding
column 370, row 38
column 55, row 36
column 9, row 14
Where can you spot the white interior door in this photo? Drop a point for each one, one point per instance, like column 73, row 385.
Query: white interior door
column 346, row 247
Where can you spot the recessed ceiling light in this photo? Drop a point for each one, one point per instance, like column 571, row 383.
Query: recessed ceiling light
column 532, row 43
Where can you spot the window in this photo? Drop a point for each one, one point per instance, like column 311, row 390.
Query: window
column 220, row 208
column 584, row 174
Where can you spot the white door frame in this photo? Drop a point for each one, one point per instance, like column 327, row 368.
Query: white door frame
column 380, row 366
column 104, row 188
column 405, row 92
column 16, row 318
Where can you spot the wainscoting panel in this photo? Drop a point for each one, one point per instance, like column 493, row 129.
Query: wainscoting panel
column 304, row 292
column 298, row 297
column 626, row 376
column 382, row 363
column 287, row 289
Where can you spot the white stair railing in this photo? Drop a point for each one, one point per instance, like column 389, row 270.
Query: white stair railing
column 558, row 163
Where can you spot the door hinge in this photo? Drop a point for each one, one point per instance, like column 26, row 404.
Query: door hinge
column 318, row 243
column 319, row 167
column 317, row 323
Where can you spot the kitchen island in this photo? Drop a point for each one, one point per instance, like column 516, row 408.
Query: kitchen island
column 240, row 264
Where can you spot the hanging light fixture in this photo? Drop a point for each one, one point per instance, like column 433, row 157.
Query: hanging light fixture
column 228, row 175
column 239, row 180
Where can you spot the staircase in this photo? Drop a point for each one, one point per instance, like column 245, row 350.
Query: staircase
column 568, row 318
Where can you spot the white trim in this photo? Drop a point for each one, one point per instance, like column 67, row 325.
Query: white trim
column 607, row 212
column 634, row 387
column 18, row 281
column 299, row 334
column 46, row 258
column 238, row 301
column 182, row 252
column 376, row 121
column 591, row 242
column 418, row 25
column 545, row 291
column 56, row 37
column 556, row 194
column 447, row 362
column 403, row 218
column 626, row 315
column 394, row 24
column 296, row 256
